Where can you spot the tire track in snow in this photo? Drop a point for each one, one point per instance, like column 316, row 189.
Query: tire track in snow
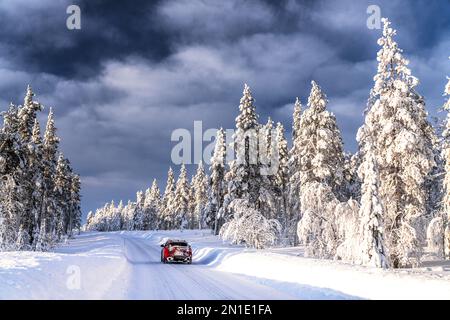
column 148, row 278
column 190, row 272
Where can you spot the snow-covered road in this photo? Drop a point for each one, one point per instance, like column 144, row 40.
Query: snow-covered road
column 126, row 265
column 145, row 277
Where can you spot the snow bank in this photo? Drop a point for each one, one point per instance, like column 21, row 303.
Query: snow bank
column 353, row 280
column 94, row 257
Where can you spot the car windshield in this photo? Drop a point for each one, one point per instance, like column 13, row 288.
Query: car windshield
column 179, row 244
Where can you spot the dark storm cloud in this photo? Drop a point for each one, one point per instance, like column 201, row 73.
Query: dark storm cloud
column 110, row 30
column 137, row 70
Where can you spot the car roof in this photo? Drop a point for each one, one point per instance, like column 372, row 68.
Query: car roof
column 175, row 240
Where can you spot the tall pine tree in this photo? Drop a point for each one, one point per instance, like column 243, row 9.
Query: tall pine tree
column 321, row 162
column 217, row 187
column 446, row 156
column 181, row 200
column 396, row 122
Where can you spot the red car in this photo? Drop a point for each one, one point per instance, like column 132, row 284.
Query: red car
column 176, row 251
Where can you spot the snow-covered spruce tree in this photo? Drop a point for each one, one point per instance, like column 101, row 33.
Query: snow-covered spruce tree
column 446, row 156
column 120, row 208
column 319, row 144
column 37, row 180
column 347, row 221
column 320, row 165
column 190, row 217
column 373, row 250
column 108, row 212
column 48, row 207
column 10, row 142
column 436, row 236
column 247, row 178
column 214, row 211
column 294, row 172
column 403, row 139
column 151, row 206
column 114, row 217
column 75, row 205
column 250, row 227
column 10, row 165
column 200, row 187
column 146, row 213
column 16, row 147
column 62, row 196
column 268, row 167
column 138, row 216
column 27, row 115
column 434, row 185
column 244, row 170
column 265, row 143
column 317, row 229
column 128, row 216
column 89, row 221
column 282, row 185
column 10, row 208
column 181, row 200
column 296, row 118
column 247, row 183
column 30, row 172
column 351, row 179
column 155, row 196
column 167, row 210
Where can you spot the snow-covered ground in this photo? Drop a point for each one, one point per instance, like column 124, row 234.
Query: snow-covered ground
column 126, row 265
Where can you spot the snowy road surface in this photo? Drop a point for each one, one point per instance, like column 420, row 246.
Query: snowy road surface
column 145, row 277
column 126, row 265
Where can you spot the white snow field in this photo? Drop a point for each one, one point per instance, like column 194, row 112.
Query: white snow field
column 126, row 265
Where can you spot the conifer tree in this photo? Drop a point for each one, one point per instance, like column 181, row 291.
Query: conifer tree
column 294, row 167
column 30, row 169
column 191, row 218
column 61, row 194
column 27, row 115
column 296, row 118
column 446, row 156
column 217, row 187
column 268, row 167
column 37, row 180
column 138, row 216
column 244, row 170
column 319, row 144
column 167, row 211
column 398, row 133
column 200, row 187
column 154, row 204
column 321, row 162
column 181, row 200
column 373, row 251
column 48, row 208
column 75, row 205
column 282, row 183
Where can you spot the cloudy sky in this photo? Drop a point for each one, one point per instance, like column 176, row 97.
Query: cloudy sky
column 137, row 70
